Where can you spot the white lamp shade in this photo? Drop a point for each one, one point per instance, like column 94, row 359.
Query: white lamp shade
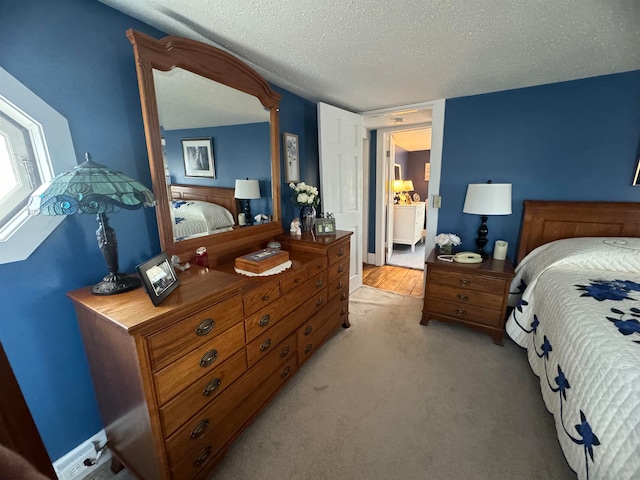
column 407, row 185
column 397, row 185
column 247, row 189
column 488, row 199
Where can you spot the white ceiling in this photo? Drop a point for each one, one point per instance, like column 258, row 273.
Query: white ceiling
column 366, row 55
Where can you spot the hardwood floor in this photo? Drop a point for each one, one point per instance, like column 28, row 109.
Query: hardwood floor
column 406, row 281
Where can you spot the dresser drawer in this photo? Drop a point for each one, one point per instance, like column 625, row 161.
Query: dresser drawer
column 338, row 286
column 470, row 313
column 200, row 393
column 313, row 332
column 294, row 299
column 208, row 432
column 338, row 268
column 266, row 342
column 260, row 321
column 293, row 281
column 338, row 252
column 260, row 297
column 172, row 342
column 174, row 378
column 465, row 296
column 317, row 266
column 467, row 281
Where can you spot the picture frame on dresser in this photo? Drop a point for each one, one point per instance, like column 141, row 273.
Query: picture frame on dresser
column 158, row 277
column 325, row 226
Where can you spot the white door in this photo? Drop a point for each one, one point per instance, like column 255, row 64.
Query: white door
column 341, row 177
column 389, row 193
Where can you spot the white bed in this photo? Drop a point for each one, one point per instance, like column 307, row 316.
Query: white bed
column 577, row 312
column 193, row 218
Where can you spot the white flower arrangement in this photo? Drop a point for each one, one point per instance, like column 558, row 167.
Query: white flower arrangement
column 306, row 195
column 448, row 239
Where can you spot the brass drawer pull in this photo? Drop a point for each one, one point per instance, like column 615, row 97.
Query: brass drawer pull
column 308, row 330
column 266, row 344
column 343, row 312
column 308, row 348
column 211, row 387
column 319, row 302
column 284, row 352
column 460, row 312
column 341, row 252
column 340, row 285
column 205, row 327
column 265, row 298
column 465, row 282
column 208, row 358
column 319, row 283
column 340, row 268
column 202, row 457
column 285, row 372
column 296, row 280
column 343, row 297
column 264, row 321
column 199, row 429
column 462, row 297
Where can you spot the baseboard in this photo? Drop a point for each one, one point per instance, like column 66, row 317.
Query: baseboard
column 371, row 258
column 71, row 465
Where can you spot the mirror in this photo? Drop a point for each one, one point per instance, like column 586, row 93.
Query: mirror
column 209, row 120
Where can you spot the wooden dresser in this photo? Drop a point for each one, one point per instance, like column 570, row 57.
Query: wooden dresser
column 472, row 294
column 177, row 383
column 408, row 223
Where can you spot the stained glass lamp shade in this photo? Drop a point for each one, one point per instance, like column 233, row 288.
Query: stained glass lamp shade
column 95, row 189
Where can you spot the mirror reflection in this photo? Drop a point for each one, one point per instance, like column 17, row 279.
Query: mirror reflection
column 211, row 135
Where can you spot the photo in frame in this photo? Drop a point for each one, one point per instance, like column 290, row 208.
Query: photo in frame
column 290, row 148
column 325, row 226
column 198, row 157
column 159, row 277
column 427, row 171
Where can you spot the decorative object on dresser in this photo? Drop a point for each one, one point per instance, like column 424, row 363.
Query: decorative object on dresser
column 474, row 294
column 95, row 189
column 291, row 157
column 306, row 196
column 487, row 199
column 262, row 260
column 446, row 242
column 407, row 186
column 158, row 277
column 325, row 226
column 397, row 189
column 176, row 384
column 247, row 190
column 198, row 157
column 408, row 222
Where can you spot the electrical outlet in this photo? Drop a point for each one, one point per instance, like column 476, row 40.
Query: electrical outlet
column 71, row 466
column 437, row 201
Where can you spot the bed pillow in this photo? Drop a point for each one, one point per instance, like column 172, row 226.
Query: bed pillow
column 214, row 215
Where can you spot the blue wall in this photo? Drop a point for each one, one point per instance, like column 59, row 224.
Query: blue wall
column 566, row 141
column 75, row 55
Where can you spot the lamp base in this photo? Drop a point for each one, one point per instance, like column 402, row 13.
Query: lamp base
column 114, row 284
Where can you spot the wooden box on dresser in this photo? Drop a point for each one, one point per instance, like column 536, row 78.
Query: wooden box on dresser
column 177, row 383
column 474, row 294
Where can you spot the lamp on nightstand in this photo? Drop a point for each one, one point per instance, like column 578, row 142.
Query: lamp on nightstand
column 247, row 190
column 487, row 199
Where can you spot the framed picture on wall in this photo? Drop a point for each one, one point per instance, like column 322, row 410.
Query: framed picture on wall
column 291, row 157
column 198, row 157
column 427, row 171
column 636, row 178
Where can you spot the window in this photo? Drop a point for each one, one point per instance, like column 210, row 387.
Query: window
column 35, row 144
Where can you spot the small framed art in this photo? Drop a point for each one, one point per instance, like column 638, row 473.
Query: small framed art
column 325, row 226
column 291, row 157
column 159, row 277
column 198, row 157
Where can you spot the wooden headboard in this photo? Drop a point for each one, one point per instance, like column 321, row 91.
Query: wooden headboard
column 546, row 221
column 220, row 195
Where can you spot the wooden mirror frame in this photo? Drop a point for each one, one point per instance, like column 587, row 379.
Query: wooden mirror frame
column 222, row 67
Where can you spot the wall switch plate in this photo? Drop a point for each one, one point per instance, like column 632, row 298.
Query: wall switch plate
column 437, row 201
column 71, row 466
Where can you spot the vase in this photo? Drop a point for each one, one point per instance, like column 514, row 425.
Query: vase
column 446, row 249
column 307, row 218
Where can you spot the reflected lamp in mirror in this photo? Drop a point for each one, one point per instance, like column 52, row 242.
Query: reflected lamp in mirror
column 247, row 190
column 486, row 199
column 95, row 189
column 397, row 188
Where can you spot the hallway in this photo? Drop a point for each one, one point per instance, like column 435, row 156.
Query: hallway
column 405, row 281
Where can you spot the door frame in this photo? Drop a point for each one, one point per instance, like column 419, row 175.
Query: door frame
column 437, row 136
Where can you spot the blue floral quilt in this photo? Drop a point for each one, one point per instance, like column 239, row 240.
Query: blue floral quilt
column 577, row 312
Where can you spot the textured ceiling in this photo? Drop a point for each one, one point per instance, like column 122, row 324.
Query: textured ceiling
column 365, row 55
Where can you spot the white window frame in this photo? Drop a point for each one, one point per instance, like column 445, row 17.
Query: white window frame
column 23, row 233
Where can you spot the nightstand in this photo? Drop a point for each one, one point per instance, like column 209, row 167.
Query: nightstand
column 472, row 294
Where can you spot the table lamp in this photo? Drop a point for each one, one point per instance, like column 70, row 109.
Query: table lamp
column 397, row 188
column 247, row 190
column 407, row 186
column 95, row 189
column 487, row 199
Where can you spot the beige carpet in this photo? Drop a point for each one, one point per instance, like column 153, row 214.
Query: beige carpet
column 391, row 399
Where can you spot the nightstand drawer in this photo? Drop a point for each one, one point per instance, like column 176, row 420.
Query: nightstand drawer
column 465, row 313
column 471, row 281
column 467, row 296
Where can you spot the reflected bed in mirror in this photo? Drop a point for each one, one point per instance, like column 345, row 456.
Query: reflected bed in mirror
column 190, row 90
